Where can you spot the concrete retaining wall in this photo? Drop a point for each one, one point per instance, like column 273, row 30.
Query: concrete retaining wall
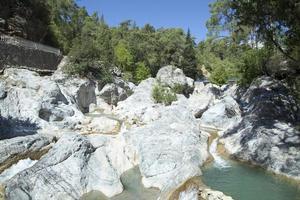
column 19, row 52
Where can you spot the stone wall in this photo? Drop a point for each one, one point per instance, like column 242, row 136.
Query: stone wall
column 19, row 52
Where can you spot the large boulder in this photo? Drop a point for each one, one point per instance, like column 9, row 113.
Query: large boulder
column 223, row 115
column 114, row 92
column 74, row 166
column 167, row 150
column 30, row 97
column 267, row 135
column 202, row 98
column 174, row 77
column 50, row 102
column 140, row 107
column 155, row 135
column 79, row 91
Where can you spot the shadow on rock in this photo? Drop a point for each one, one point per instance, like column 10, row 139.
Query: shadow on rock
column 11, row 127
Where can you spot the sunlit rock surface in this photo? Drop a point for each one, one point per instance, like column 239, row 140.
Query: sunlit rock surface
column 168, row 151
column 223, row 115
column 267, row 135
column 74, row 166
column 174, row 77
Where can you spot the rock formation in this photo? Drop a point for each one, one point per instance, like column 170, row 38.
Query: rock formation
column 267, row 135
column 84, row 144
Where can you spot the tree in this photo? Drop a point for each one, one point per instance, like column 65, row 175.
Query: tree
column 172, row 44
column 141, row 72
column 123, row 57
column 67, row 20
column 103, row 42
column 88, row 55
column 189, row 65
column 273, row 22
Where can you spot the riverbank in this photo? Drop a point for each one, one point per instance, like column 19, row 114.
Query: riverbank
column 241, row 180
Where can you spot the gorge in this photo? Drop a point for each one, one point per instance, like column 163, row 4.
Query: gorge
column 149, row 100
column 83, row 148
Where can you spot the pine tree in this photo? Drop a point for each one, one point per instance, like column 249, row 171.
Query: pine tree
column 189, row 64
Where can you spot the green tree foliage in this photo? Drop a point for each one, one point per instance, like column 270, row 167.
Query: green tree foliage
column 252, row 65
column 275, row 23
column 220, row 57
column 142, row 72
column 246, row 35
column 189, row 65
column 86, row 55
column 67, row 20
column 92, row 44
column 123, row 56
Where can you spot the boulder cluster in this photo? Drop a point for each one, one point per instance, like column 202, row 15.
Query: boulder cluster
column 85, row 135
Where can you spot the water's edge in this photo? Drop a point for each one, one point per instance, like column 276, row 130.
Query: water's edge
column 244, row 181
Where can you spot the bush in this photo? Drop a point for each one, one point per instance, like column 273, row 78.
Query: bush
column 85, row 61
column 163, row 95
column 141, row 72
column 178, row 89
column 127, row 76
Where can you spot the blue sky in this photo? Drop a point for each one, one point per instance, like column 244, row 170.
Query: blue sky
column 183, row 14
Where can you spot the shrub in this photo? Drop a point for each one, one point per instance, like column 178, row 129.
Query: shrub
column 141, row 72
column 178, row 89
column 127, row 76
column 163, row 95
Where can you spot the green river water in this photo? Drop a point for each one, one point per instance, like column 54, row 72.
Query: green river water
column 133, row 189
column 238, row 180
column 244, row 182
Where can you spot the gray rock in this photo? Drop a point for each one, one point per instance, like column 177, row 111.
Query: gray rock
column 194, row 189
column 266, row 135
column 117, row 91
column 202, row 98
column 223, row 115
column 15, row 149
column 85, row 96
column 47, row 102
column 3, row 93
column 102, row 124
column 74, row 166
column 79, row 91
column 173, row 77
column 37, row 99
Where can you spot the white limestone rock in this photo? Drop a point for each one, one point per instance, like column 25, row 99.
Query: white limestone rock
column 172, row 76
column 74, row 166
column 223, row 115
column 169, row 151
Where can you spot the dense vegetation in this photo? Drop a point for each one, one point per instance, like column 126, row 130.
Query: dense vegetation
column 252, row 38
column 94, row 47
column 137, row 52
column 246, row 39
